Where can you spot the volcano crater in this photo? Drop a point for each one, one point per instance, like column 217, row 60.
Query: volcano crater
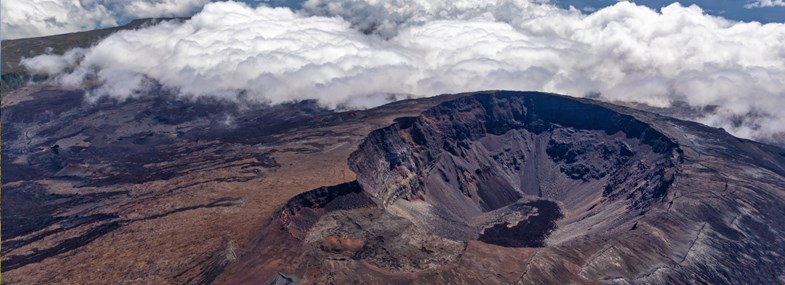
column 504, row 168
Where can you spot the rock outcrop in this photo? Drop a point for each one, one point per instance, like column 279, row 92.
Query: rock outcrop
column 491, row 187
column 532, row 188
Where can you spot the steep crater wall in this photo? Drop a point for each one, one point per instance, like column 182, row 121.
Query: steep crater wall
column 478, row 165
column 506, row 168
column 589, row 192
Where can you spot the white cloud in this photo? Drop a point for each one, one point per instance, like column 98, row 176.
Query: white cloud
column 31, row 18
column 24, row 18
column 355, row 52
column 162, row 8
column 53, row 64
column 388, row 17
column 765, row 3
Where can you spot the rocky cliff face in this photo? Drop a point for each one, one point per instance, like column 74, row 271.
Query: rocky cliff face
column 158, row 189
column 483, row 153
column 532, row 188
column 478, row 188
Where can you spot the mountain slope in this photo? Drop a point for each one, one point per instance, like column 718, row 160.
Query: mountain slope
column 15, row 76
column 577, row 191
column 487, row 187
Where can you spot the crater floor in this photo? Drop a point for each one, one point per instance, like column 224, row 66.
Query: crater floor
column 532, row 188
column 492, row 187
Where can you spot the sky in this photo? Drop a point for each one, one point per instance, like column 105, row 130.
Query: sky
column 357, row 53
column 765, row 11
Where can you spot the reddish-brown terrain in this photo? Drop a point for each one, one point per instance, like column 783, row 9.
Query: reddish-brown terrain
column 156, row 190
column 480, row 188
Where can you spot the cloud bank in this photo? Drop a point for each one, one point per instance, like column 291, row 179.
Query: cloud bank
column 24, row 18
column 356, row 52
column 31, row 18
column 765, row 3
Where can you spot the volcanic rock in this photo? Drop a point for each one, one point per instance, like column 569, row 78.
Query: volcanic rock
column 490, row 187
